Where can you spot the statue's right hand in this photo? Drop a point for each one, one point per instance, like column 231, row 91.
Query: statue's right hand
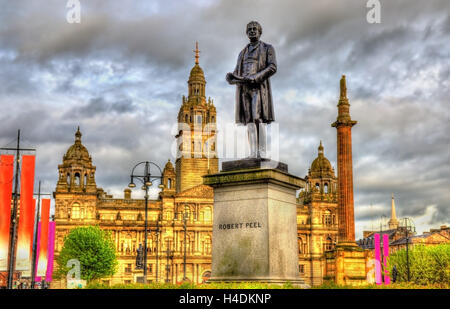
column 229, row 77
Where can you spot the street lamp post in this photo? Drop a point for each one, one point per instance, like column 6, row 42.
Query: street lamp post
column 146, row 180
column 157, row 246
column 407, row 249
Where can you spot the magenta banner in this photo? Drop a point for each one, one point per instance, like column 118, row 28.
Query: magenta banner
column 51, row 250
column 387, row 279
column 378, row 278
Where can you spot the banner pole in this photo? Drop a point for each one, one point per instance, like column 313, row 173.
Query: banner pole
column 36, row 222
column 12, row 240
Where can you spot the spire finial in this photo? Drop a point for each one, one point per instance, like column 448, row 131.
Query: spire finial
column 197, row 52
column 343, row 88
column 393, row 222
column 320, row 148
column 78, row 135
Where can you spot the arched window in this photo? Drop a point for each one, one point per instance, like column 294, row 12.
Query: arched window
column 68, row 179
column 327, row 218
column 77, row 179
column 75, row 212
column 186, row 118
column 328, row 244
column 317, row 187
column 169, row 183
column 300, row 246
column 213, row 119
column 85, row 180
column 325, row 188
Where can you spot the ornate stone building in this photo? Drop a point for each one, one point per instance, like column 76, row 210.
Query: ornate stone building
column 317, row 218
column 182, row 211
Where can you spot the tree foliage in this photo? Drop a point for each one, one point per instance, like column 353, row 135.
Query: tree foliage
column 427, row 264
column 93, row 248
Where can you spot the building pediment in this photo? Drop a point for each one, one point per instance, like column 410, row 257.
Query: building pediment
column 203, row 191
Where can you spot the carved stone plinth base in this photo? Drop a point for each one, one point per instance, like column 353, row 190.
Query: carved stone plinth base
column 255, row 226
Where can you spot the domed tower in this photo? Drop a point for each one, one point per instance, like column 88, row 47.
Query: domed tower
column 76, row 189
column 169, row 180
column 76, row 173
column 319, row 204
column 196, row 140
column 321, row 179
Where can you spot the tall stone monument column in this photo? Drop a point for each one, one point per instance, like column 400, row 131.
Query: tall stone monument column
column 346, row 264
column 254, row 225
column 344, row 125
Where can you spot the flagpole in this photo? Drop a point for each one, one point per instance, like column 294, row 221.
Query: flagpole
column 12, row 240
column 36, row 223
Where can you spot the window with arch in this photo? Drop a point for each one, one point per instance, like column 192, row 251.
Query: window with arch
column 75, row 211
column 213, row 119
column 85, row 180
column 317, row 186
column 301, row 246
column 68, row 178
column 327, row 217
column 198, row 119
column 169, row 183
column 328, row 244
column 325, row 188
column 77, row 179
column 186, row 118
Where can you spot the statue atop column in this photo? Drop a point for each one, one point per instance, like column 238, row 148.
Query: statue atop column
column 254, row 108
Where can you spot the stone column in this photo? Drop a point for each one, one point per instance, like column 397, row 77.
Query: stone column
column 344, row 125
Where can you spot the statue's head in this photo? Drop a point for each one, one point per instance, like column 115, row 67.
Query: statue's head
column 254, row 31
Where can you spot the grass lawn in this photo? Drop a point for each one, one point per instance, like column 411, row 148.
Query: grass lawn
column 253, row 285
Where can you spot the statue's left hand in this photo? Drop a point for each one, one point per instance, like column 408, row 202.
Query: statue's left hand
column 250, row 79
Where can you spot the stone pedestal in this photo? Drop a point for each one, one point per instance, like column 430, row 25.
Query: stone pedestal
column 346, row 264
column 255, row 226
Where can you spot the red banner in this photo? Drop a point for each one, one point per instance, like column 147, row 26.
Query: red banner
column 43, row 250
column 26, row 215
column 6, row 183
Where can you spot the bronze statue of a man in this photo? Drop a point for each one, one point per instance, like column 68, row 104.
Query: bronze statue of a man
column 256, row 64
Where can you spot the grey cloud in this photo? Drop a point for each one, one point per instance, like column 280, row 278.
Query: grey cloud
column 120, row 75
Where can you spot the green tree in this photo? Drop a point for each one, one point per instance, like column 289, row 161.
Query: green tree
column 427, row 264
column 93, row 248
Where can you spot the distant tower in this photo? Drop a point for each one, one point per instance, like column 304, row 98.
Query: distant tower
column 76, row 173
column 393, row 222
column 196, row 154
column 321, row 180
column 344, row 125
column 76, row 190
column 169, row 180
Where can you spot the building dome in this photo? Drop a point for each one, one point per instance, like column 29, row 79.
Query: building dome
column 169, row 166
column 77, row 151
column 321, row 163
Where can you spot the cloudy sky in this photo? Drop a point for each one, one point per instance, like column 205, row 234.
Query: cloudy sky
column 120, row 75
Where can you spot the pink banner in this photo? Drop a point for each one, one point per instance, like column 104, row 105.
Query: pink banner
column 6, row 184
column 387, row 279
column 51, row 249
column 378, row 278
